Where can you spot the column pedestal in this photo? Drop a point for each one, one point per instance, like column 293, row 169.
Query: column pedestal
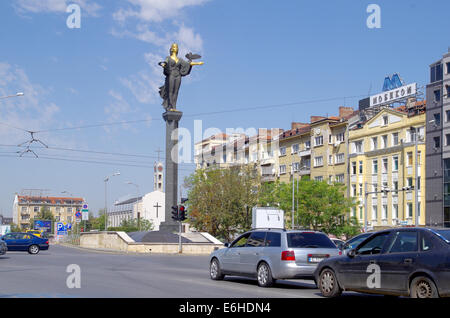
column 172, row 118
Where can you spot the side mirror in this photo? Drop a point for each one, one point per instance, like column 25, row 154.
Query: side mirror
column 226, row 244
column 351, row 253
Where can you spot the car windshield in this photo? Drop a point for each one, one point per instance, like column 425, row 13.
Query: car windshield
column 309, row 240
column 445, row 234
column 354, row 242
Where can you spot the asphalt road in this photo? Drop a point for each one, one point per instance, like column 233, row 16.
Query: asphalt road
column 118, row 275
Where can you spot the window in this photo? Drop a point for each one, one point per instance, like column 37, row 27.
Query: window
column 309, row 239
column 256, row 239
column 374, row 245
column 360, row 213
column 282, row 169
column 437, row 95
column 241, row 241
column 448, row 67
column 354, row 190
column 375, row 166
column 273, row 239
column 330, row 138
column 361, row 189
column 340, row 137
column 359, row 146
column 385, row 120
column 318, row 141
column 296, row 166
column 425, row 242
column 447, row 115
column 24, row 209
column 354, row 167
column 394, row 211
column 374, row 213
column 447, row 90
column 318, row 161
column 384, row 212
column 69, row 219
column 330, row 159
column 394, row 139
column 395, row 163
column 409, row 182
column 69, row 210
column 447, row 139
column 436, row 73
column 409, row 159
column 404, row 242
column 282, row 151
column 340, row 158
column 374, row 143
column 308, row 145
column 437, row 142
column 340, row 178
column 330, row 179
column 395, row 186
column 319, row 178
column 410, row 210
column 437, row 119
column 360, row 167
column 295, row 148
column 385, row 141
column 385, row 165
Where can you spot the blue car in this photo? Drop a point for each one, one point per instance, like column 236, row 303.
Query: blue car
column 25, row 242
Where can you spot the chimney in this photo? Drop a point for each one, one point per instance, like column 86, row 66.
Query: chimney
column 298, row 125
column 345, row 111
column 316, row 118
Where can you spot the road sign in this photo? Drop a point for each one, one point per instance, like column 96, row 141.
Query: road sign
column 85, row 206
column 78, row 220
column 85, row 215
column 78, row 214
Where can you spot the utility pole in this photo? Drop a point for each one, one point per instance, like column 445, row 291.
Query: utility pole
column 365, row 206
column 416, row 192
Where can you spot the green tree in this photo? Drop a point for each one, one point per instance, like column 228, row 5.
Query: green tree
column 220, row 200
column 324, row 207
column 98, row 223
column 43, row 214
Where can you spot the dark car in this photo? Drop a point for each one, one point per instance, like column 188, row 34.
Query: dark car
column 354, row 242
column 411, row 262
column 25, row 242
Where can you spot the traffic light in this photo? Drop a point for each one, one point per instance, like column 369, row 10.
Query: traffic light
column 175, row 215
column 182, row 214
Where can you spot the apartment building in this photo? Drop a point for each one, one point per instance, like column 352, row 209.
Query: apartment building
column 294, row 153
column 383, row 157
column 28, row 207
column 438, row 146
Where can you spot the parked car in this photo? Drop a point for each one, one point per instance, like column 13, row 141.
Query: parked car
column 411, row 262
column 35, row 232
column 354, row 242
column 339, row 243
column 272, row 254
column 25, row 242
column 3, row 248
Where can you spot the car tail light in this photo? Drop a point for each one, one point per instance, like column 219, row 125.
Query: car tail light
column 46, row 242
column 288, row 256
column 340, row 252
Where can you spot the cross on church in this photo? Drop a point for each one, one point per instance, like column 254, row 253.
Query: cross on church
column 157, row 206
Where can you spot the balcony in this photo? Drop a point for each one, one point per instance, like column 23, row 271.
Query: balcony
column 304, row 153
column 268, row 178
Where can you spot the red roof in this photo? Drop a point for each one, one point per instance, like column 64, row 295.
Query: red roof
column 51, row 200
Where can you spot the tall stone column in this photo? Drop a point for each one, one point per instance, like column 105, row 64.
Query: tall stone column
column 172, row 118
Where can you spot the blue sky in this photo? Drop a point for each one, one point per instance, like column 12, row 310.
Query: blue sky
column 256, row 53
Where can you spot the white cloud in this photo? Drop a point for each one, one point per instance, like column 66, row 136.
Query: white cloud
column 154, row 10
column 56, row 6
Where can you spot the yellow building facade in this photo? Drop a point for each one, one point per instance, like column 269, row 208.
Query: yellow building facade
column 382, row 159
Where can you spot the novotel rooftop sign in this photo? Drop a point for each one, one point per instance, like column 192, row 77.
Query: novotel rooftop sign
column 393, row 95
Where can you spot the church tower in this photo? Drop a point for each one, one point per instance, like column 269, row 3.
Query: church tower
column 158, row 177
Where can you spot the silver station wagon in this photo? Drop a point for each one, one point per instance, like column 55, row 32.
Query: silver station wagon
column 270, row 254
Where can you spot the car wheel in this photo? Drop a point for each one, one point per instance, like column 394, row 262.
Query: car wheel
column 214, row 270
column 264, row 275
column 33, row 249
column 328, row 284
column 423, row 287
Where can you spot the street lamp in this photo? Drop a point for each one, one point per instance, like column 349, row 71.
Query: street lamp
column 106, row 202
column 10, row 96
column 137, row 203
